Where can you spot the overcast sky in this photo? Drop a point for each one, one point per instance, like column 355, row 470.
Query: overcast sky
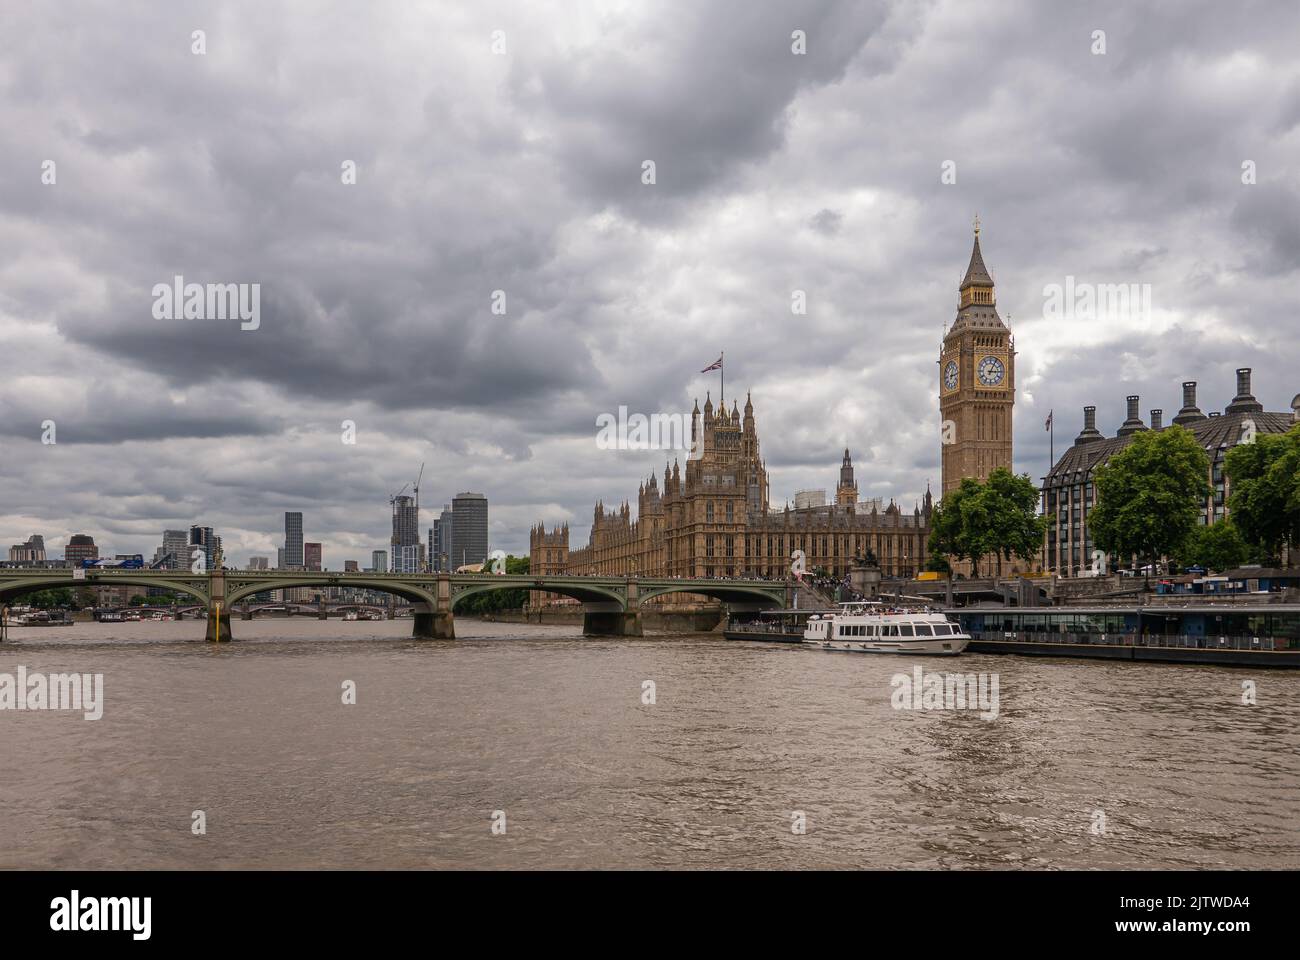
column 521, row 171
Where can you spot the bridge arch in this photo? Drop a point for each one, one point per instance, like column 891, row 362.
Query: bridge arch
column 722, row 590
column 584, row 592
column 407, row 591
column 16, row 587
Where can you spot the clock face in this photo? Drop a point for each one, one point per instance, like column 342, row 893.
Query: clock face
column 991, row 371
column 950, row 375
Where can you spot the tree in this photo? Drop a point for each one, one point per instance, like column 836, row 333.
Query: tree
column 938, row 563
column 1218, row 546
column 494, row 600
column 998, row 516
column 43, row 599
column 1265, row 482
column 1150, row 495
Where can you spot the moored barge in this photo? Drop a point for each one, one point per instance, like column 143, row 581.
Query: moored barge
column 1261, row 635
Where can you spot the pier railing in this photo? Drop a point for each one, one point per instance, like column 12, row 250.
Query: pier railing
column 1137, row 640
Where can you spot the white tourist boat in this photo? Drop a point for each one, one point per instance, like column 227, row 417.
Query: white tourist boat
column 871, row 627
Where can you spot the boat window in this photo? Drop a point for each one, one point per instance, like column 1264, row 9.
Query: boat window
column 906, row 629
column 942, row 630
column 891, row 631
column 923, row 630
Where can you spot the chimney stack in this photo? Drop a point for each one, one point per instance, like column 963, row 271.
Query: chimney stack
column 1190, row 412
column 1134, row 422
column 1157, row 419
column 1090, row 431
column 1244, row 401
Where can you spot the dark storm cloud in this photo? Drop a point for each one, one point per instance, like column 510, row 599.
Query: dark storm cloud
column 521, row 173
column 699, row 89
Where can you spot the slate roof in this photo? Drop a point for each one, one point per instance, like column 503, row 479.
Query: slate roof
column 1212, row 433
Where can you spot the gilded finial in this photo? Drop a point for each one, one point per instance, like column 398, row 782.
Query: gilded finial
column 977, row 224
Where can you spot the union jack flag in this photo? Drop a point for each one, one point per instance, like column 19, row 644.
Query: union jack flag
column 715, row 365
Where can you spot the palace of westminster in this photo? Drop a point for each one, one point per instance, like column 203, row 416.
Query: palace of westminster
column 713, row 519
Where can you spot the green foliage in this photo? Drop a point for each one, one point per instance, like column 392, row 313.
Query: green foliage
column 43, row 599
column 1150, row 496
column 494, row 601
column 1264, row 478
column 1218, row 547
column 998, row 516
column 938, row 563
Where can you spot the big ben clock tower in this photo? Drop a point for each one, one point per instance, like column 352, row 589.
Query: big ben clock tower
column 977, row 381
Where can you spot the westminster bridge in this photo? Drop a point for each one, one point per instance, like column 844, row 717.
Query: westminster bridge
column 611, row 605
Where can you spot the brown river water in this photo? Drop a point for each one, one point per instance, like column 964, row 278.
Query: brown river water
column 1087, row 764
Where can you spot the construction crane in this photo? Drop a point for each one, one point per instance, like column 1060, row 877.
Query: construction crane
column 417, row 497
column 419, row 476
column 399, row 526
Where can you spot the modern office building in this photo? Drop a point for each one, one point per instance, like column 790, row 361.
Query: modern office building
column 379, row 561
column 350, row 566
column 406, row 529
column 311, row 556
column 207, row 541
column 173, row 554
column 33, row 551
column 442, row 532
column 293, row 548
column 408, row 559
column 469, row 532
column 80, row 547
column 259, row 563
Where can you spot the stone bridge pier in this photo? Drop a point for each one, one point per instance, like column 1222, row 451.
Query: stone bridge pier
column 218, row 622
column 613, row 619
column 610, row 619
column 433, row 621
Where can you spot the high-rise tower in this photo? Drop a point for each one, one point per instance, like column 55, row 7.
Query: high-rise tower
column 977, row 383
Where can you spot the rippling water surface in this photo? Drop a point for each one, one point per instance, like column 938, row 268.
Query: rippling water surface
column 550, row 728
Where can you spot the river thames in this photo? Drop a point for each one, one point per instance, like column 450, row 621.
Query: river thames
column 1088, row 764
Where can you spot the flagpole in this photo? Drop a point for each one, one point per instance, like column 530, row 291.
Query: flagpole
column 722, row 368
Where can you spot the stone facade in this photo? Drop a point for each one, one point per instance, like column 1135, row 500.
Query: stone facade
column 714, row 520
column 977, row 381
